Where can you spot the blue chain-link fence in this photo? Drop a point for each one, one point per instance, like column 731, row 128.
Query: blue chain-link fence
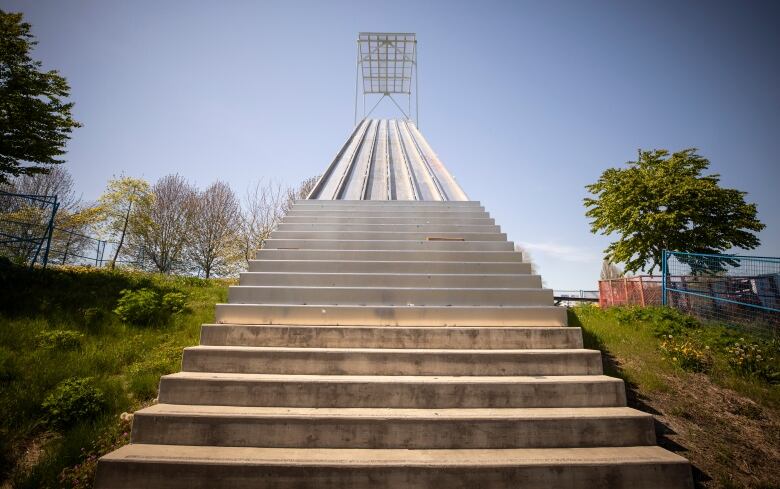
column 27, row 227
column 739, row 290
column 28, row 236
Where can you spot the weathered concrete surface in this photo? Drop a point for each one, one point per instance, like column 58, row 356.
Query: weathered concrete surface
column 287, row 427
column 359, row 352
column 427, row 280
column 386, row 361
column 423, row 392
column 480, row 338
column 372, row 315
column 192, row 467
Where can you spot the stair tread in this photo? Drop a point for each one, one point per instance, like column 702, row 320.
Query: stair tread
column 400, row 328
column 395, row 379
column 359, row 288
column 390, row 413
column 384, row 351
column 395, row 306
column 184, row 454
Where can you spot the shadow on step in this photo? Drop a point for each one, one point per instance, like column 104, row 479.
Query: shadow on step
column 636, row 400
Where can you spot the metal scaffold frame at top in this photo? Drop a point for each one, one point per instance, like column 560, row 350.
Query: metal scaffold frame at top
column 387, row 65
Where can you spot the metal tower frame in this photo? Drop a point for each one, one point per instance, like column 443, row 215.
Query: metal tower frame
column 387, row 64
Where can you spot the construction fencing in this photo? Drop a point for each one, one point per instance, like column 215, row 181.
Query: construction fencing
column 740, row 290
column 643, row 290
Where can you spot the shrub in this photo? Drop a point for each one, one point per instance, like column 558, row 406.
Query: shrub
column 145, row 306
column 73, row 400
column 753, row 359
column 174, row 302
column 60, row 340
column 665, row 320
column 140, row 307
column 686, row 353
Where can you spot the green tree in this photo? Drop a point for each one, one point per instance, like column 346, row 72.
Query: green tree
column 35, row 121
column 123, row 196
column 664, row 201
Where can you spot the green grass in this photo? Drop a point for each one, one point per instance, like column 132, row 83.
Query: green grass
column 632, row 340
column 124, row 361
column 715, row 406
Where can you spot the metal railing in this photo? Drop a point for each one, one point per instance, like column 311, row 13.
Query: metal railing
column 569, row 297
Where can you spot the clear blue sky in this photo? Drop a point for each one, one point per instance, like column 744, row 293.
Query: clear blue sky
column 526, row 102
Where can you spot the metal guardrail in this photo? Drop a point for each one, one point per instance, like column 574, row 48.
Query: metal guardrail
column 565, row 297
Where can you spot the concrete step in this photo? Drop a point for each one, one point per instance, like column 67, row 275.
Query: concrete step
column 389, row 337
column 397, row 205
column 387, row 203
column 390, row 235
column 400, row 205
column 290, row 265
column 385, row 212
column 197, row 467
column 386, row 361
column 382, row 295
column 336, row 315
column 419, row 392
column 308, row 218
column 283, row 427
column 390, row 255
column 391, row 280
column 392, row 228
column 375, row 244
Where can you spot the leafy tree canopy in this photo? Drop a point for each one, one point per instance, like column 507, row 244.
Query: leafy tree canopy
column 664, row 201
column 35, row 121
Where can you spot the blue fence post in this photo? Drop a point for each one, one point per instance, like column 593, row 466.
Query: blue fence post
column 664, row 258
column 54, row 208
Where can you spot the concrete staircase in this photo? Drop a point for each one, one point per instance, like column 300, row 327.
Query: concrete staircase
column 391, row 344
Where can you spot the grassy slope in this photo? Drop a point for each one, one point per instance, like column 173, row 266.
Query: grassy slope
column 725, row 421
column 124, row 361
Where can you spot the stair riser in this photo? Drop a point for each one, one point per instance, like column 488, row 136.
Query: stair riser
column 304, row 219
column 220, row 392
column 326, row 244
column 379, row 362
column 390, row 316
column 390, row 255
column 389, row 296
column 385, row 203
column 406, row 228
column 289, row 432
column 400, row 211
column 388, row 235
column 386, row 337
column 166, row 475
column 391, row 280
column 346, row 266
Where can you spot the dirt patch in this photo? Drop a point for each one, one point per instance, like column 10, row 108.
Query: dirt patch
column 731, row 441
column 29, row 454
